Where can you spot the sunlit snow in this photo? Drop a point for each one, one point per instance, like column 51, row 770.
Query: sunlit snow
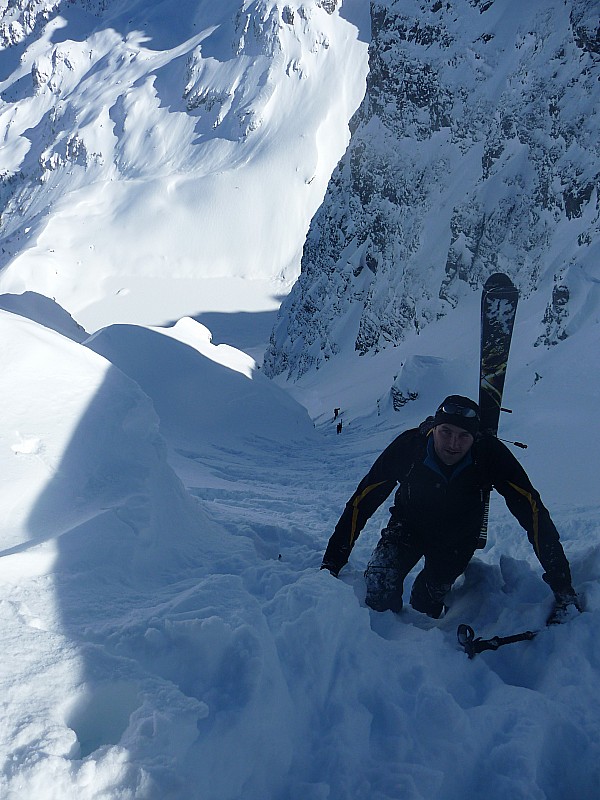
column 166, row 632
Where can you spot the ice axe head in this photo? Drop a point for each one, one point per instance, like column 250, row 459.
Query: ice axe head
column 466, row 639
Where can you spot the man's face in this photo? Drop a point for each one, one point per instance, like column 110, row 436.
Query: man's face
column 451, row 443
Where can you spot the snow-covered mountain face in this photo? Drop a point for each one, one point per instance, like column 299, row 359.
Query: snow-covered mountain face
column 180, row 140
column 165, row 630
column 475, row 150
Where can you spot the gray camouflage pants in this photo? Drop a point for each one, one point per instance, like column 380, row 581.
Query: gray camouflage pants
column 395, row 556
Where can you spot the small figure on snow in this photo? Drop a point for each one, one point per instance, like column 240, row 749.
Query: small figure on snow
column 339, row 426
column 444, row 469
column 336, row 413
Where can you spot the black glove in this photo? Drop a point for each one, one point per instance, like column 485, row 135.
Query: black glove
column 565, row 602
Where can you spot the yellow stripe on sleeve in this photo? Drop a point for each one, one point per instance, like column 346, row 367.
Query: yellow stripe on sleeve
column 357, row 501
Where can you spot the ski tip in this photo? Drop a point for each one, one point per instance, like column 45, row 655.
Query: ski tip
column 499, row 280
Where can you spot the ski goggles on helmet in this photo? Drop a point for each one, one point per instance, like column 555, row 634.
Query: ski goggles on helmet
column 458, row 411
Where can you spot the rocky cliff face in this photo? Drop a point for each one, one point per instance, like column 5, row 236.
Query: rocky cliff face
column 475, row 150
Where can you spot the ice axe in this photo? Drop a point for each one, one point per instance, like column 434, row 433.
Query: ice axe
column 472, row 645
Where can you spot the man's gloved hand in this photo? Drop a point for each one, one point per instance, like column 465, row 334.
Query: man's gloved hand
column 566, row 603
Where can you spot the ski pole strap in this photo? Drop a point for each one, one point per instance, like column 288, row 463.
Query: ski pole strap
column 472, row 645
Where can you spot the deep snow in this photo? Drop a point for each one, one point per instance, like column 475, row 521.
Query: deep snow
column 166, row 632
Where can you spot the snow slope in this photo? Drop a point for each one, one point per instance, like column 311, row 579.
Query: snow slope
column 159, row 149
column 166, row 630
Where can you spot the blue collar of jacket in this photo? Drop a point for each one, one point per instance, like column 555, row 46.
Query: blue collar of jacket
column 432, row 462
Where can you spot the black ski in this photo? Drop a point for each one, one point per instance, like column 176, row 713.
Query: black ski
column 498, row 309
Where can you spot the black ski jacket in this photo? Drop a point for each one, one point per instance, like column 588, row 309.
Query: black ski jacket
column 443, row 509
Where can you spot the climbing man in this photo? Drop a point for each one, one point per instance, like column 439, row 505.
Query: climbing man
column 443, row 470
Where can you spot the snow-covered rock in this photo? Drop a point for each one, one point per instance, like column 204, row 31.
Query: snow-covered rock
column 474, row 151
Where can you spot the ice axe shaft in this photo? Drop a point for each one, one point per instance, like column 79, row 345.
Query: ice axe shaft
column 473, row 645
